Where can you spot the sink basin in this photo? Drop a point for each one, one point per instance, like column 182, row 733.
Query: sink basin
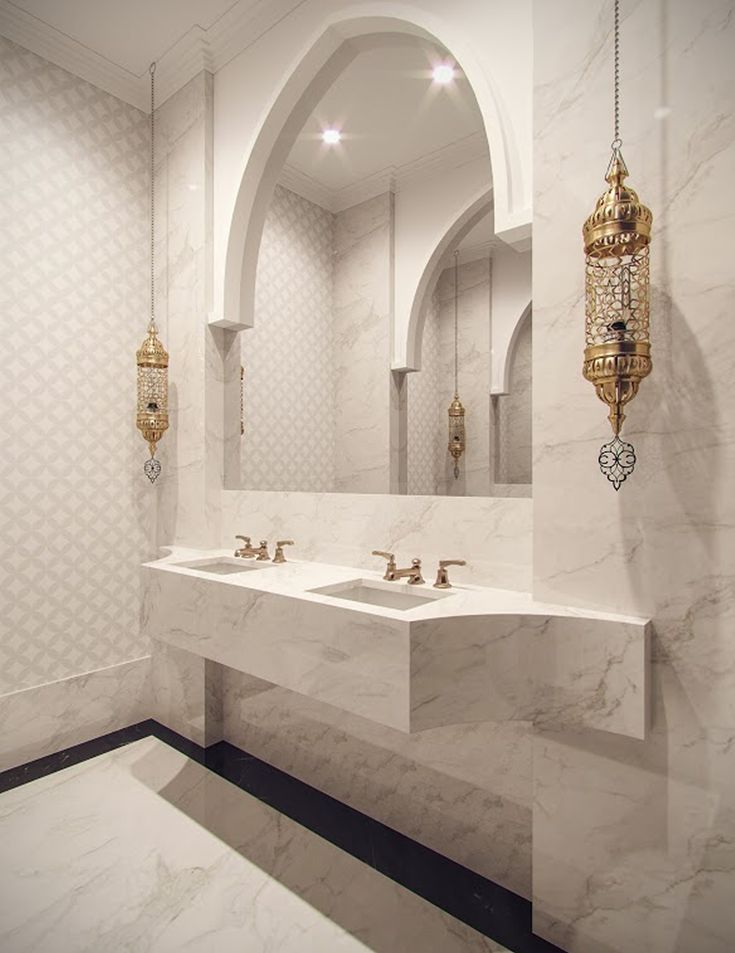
column 387, row 594
column 223, row 565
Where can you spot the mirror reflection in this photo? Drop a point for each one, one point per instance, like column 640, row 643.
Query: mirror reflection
column 378, row 252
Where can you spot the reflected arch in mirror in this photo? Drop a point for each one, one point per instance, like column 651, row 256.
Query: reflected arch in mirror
column 494, row 359
column 453, row 233
column 323, row 60
column 512, row 412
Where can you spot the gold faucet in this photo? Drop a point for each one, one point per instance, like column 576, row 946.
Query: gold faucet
column 279, row 557
column 442, row 576
column 247, row 551
column 413, row 572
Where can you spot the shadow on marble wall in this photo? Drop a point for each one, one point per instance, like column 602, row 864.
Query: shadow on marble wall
column 168, row 482
column 463, row 791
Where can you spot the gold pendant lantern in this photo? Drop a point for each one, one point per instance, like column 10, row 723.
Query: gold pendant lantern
column 456, row 445
column 618, row 351
column 152, row 358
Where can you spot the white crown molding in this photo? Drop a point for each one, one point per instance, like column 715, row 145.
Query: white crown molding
column 40, row 38
column 196, row 50
column 389, row 179
column 307, row 187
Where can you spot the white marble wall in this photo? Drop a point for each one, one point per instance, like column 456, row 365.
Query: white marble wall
column 633, row 840
column 493, row 535
column 47, row 718
column 191, row 451
column 511, row 416
column 362, row 331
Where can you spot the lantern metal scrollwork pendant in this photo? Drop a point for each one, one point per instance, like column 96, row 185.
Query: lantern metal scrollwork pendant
column 617, row 303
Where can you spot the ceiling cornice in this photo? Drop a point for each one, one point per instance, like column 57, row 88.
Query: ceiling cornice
column 389, row 179
column 40, row 38
column 196, row 50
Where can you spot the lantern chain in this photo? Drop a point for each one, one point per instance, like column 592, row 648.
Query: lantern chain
column 617, row 141
column 456, row 333
column 152, row 71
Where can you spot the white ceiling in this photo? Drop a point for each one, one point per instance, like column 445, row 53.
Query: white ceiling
column 129, row 33
column 391, row 116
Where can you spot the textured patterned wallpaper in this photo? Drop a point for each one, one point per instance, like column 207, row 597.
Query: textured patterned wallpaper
column 73, row 297
column 427, row 411
column 289, row 441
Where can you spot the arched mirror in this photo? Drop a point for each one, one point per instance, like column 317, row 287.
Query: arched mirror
column 389, row 174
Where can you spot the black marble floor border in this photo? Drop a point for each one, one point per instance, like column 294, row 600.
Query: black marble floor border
column 490, row 909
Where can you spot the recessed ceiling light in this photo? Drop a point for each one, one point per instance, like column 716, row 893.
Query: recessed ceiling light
column 443, row 73
column 331, row 136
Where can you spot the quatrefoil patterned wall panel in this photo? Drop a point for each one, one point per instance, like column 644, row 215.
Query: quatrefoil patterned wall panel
column 289, row 441
column 73, row 297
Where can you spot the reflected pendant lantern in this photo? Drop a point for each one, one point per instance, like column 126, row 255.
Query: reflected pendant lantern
column 456, row 445
column 617, row 355
column 152, row 358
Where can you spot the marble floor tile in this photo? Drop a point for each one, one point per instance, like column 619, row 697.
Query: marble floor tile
column 142, row 849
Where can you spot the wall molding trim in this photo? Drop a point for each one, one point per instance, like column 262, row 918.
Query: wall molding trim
column 194, row 51
column 392, row 178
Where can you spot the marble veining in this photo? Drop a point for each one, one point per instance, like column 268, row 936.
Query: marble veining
column 38, row 721
column 633, row 842
column 493, row 535
column 472, row 654
column 144, row 849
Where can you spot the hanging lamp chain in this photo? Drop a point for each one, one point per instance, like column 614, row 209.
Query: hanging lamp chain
column 152, row 71
column 456, row 334
column 617, row 141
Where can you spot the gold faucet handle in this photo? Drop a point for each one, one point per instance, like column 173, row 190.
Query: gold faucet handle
column 391, row 567
column 263, row 554
column 246, row 545
column 442, row 576
column 279, row 557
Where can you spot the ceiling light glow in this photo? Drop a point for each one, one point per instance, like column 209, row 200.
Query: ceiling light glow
column 331, row 136
column 443, row 73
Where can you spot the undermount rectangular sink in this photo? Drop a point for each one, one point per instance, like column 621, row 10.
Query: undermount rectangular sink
column 388, row 595
column 223, row 565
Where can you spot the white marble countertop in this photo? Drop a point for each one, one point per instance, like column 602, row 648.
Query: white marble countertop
column 296, row 578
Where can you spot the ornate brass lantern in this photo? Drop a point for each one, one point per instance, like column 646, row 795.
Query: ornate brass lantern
column 618, row 351
column 456, row 445
column 152, row 416
column 152, row 358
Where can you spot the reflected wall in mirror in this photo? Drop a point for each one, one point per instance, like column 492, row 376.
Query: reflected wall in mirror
column 348, row 368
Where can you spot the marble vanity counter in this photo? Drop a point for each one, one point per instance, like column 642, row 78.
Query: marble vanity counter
column 466, row 654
